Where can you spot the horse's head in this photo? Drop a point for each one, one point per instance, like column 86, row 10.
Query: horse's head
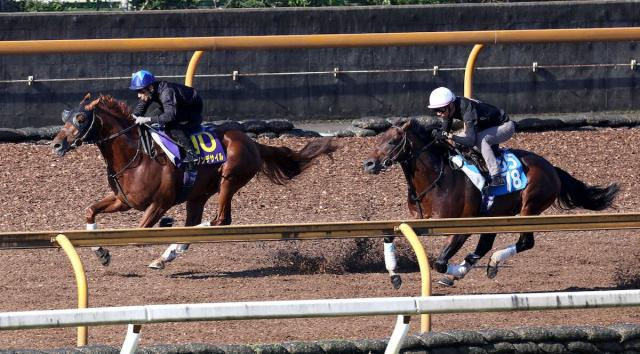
column 84, row 125
column 79, row 127
column 393, row 146
column 398, row 144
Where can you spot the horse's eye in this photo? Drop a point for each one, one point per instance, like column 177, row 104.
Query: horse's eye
column 80, row 118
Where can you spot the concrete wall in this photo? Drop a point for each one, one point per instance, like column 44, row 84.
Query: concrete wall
column 323, row 96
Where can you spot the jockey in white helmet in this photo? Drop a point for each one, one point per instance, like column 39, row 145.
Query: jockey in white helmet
column 484, row 125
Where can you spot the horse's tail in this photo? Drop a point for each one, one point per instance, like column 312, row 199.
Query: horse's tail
column 282, row 164
column 577, row 194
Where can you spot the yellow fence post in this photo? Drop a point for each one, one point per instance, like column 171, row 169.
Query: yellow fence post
column 425, row 270
column 81, row 280
column 191, row 69
column 468, row 71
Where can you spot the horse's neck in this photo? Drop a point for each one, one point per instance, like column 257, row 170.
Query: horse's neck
column 118, row 151
column 426, row 167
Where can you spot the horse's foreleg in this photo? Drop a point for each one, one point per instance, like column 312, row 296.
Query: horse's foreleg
column 109, row 204
column 194, row 216
column 525, row 242
column 454, row 243
column 390, row 261
column 460, row 271
column 451, row 272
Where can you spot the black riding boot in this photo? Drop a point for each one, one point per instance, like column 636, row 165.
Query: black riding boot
column 190, row 157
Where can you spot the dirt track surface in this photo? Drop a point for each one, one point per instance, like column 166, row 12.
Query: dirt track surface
column 44, row 192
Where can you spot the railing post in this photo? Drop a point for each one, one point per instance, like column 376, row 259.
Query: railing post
column 191, row 69
column 81, row 280
column 425, row 270
column 468, row 72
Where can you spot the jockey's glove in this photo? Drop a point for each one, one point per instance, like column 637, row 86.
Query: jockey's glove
column 141, row 120
column 438, row 134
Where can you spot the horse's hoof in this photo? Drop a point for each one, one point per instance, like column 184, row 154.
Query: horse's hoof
column 446, row 281
column 396, row 281
column 103, row 256
column 157, row 264
column 492, row 270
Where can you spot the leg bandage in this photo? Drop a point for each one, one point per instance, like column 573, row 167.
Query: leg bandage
column 390, row 261
column 91, row 227
column 504, row 254
column 457, row 270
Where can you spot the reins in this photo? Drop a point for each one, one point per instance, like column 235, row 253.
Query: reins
column 408, row 171
column 114, row 176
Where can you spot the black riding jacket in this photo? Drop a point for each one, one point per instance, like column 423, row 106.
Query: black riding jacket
column 179, row 104
column 476, row 116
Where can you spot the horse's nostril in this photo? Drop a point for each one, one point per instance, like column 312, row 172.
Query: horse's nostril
column 57, row 146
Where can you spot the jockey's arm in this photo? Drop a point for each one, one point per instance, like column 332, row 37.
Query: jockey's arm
column 468, row 135
column 446, row 124
column 168, row 101
column 141, row 107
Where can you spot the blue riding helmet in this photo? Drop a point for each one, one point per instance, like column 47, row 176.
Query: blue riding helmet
column 141, row 79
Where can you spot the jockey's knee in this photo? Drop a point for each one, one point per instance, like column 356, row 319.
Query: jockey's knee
column 440, row 266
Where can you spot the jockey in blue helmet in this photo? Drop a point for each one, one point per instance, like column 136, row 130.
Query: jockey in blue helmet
column 180, row 109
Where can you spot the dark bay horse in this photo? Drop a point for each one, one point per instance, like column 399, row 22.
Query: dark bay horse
column 436, row 190
column 152, row 184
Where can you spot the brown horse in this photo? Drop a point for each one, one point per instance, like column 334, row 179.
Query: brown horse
column 153, row 183
column 436, row 190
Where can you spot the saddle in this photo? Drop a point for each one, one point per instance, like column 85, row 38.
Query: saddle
column 471, row 162
column 474, row 156
column 207, row 145
column 205, row 141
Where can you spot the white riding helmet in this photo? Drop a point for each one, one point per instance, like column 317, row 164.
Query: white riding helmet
column 440, row 97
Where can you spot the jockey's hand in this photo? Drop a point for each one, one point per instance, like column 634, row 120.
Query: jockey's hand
column 440, row 135
column 141, row 120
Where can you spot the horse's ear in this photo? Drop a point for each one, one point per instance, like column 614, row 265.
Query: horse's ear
column 87, row 97
column 92, row 104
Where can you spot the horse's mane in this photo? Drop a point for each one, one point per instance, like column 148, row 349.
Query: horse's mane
column 117, row 108
column 422, row 131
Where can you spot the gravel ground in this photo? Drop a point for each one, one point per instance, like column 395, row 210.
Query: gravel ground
column 44, row 192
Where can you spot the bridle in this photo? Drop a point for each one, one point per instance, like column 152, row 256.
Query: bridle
column 88, row 136
column 403, row 154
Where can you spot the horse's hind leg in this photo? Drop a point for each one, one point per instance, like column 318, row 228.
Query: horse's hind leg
column 109, row 204
column 525, row 242
column 194, row 216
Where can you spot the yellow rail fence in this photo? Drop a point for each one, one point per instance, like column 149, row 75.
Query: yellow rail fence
column 409, row 228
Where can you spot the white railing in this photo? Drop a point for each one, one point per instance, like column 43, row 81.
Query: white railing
column 403, row 306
